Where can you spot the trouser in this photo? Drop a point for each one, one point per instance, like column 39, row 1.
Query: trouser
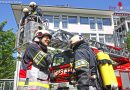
column 85, row 82
column 33, row 84
column 35, row 80
column 21, row 37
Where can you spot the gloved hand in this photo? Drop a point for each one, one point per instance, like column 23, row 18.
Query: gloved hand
column 92, row 80
column 93, row 76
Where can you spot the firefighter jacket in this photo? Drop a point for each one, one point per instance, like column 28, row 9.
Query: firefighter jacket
column 84, row 58
column 35, row 56
column 84, row 65
column 37, row 11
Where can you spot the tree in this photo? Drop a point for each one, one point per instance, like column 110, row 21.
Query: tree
column 128, row 41
column 7, row 45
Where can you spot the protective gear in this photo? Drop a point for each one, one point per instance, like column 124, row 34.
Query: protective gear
column 75, row 38
column 35, row 66
column 85, row 63
column 25, row 10
column 32, row 4
column 36, row 11
column 42, row 33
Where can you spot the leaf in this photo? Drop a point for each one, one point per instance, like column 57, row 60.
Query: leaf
column 7, row 45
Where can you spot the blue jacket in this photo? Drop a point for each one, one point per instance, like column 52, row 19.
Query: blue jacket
column 37, row 11
column 36, row 55
column 85, row 59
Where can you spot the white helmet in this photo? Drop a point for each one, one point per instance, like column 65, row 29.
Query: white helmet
column 25, row 10
column 75, row 39
column 41, row 33
column 32, row 4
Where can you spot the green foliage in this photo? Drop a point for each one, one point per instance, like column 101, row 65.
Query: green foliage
column 7, row 44
column 2, row 25
column 128, row 41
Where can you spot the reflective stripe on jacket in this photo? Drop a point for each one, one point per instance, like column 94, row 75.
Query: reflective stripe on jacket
column 37, row 56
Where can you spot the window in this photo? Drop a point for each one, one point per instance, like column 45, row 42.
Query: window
column 92, row 23
column 93, row 37
column 109, row 38
column 85, row 35
column 128, row 26
column 56, row 21
column 106, row 21
column 99, row 23
column 101, row 38
column 72, row 19
column 49, row 17
column 115, row 22
column 64, row 22
column 83, row 20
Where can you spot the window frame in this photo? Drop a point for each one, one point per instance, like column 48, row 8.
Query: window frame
column 64, row 20
column 48, row 19
column 58, row 18
column 72, row 22
column 107, row 24
column 83, row 23
column 93, row 36
column 92, row 19
column 99, row 21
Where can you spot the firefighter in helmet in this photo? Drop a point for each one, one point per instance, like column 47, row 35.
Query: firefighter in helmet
column 26, row 14
column 84, row 64
column 36, row 12
column 22, row 23
column 36, row 61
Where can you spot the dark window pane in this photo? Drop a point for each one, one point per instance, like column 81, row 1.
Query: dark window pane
column 56, row 21
column 99, row 23
column 64, row 22
column 109, row 38
column 49, row 17
column 93, row 36
column 72, row 19
column 83, row 20
column 106, row 21
column 101, row 39
column 92, row 23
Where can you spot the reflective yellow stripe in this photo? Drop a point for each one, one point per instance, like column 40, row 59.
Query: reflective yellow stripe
column 81, row 63
column 80, row 66
column 34, row 84
column 41, row 59
column 34, row 12
column 36, row 55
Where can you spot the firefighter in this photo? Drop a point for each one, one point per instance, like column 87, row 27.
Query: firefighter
column 35, row 10
column 35, row 64
column 84, row 64
column 26, row 14
column 22, row 23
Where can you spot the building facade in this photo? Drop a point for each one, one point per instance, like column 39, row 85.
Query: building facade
column 122, row 27
column 96, row 24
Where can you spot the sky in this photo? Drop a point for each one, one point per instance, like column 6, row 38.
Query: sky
column 6, row 12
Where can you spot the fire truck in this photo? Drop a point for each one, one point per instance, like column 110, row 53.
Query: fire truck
column 62, row 70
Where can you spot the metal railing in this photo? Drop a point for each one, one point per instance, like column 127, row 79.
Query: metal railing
column 6, row 84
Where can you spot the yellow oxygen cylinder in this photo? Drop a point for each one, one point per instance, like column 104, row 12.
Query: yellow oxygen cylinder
column 114, row 82
column 104, row 69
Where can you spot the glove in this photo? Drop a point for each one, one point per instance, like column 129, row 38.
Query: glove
column 93, row 76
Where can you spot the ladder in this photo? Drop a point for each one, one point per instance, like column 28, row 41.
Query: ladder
column 61, row 38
